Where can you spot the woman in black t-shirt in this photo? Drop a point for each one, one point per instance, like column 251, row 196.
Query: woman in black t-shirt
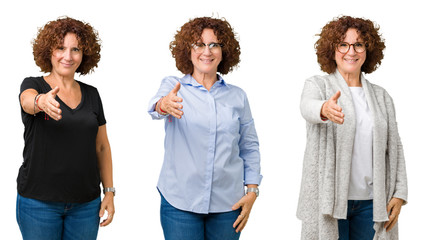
column 67, row 152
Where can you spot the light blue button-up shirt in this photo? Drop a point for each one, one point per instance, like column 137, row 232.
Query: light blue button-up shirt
column 212, row 151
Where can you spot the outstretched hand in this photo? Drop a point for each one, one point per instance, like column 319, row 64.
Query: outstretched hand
column 170, row 104
column 49, row 105
column 332, row 111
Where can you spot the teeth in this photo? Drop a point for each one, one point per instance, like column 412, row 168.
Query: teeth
column 206, row 60
column 351, row 60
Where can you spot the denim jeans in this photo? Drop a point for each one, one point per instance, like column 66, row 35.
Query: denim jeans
column 178, row 224
column 41, row 220
column 359, row 224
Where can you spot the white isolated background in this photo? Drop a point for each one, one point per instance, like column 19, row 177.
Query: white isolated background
column 277, row 44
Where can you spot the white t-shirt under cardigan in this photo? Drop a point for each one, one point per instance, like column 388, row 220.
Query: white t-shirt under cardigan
column 360, row 185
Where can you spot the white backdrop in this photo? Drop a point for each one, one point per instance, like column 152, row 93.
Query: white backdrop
column 277, row 44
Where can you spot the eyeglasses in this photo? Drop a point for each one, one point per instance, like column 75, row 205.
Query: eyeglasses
column 344, row 47
column 200, row 47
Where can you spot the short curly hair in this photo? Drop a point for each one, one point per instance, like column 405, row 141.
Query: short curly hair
column 191, row 32
column 52, row 35
column 335, row 31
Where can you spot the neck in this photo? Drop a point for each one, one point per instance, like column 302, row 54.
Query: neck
column 352, row 79
column 207, row 80
column 64, row 82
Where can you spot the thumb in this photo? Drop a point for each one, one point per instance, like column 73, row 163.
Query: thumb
column 176, row 88
column 54, row 91
column 236, row 206
column 336, row 96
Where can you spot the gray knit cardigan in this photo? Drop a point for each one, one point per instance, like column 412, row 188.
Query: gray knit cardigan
column 328, row 156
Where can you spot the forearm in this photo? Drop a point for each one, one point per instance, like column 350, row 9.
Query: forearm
column 28, row 101
column 104, row 156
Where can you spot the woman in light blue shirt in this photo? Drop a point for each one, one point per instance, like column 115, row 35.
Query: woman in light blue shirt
column 211, row 146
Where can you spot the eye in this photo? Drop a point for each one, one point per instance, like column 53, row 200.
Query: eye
column 199, row 45
column 343, row 44
column 358, row 44
column 60, row 48
column 75, row 49
column 214, row 45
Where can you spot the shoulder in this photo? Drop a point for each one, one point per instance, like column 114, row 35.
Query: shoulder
column 380, row 91
column 318, row 79
column 89, row 91
column 88, row 88
column 173, row 79
column 236, row 89
column 377, row 88
column 31, row 82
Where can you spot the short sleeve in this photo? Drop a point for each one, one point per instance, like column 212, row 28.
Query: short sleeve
column 30, row 83
column 100, row 113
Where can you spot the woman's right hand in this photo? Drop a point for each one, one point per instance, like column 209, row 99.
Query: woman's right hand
column 170, row 104
column 332, row 111
column 49, row 105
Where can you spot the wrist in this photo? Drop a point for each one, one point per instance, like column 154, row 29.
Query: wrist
column 158, row 107
column 109, row 191
column 36, row 104
column 253, row 190
column 323, row 117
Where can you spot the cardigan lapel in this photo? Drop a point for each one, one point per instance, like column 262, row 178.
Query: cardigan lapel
column 379, row 153
column 345, row 135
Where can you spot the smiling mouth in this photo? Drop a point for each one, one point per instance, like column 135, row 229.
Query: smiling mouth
column 67, row 64
column 350, row 60
column 207, row 60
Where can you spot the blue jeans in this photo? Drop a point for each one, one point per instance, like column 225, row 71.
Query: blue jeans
column 178, row 224
column 359, row 224
column 42, row 220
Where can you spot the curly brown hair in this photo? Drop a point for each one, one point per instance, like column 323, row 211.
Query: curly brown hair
column 52, row 35
column 335, row 31
column 191, row 32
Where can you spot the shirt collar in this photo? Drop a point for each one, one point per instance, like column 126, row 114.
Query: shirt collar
column 189, row 80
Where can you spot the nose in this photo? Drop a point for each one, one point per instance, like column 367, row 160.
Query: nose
column 351, row 50
column 207, row 51
column 67, row 55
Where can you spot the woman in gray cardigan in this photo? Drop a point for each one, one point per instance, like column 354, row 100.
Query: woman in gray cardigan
column 354, row 176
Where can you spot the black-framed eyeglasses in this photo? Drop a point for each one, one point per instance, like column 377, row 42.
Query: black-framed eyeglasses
column 200, row 47
column 344, row 47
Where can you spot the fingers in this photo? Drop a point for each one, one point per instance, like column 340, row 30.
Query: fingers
column 245, row 203
column 393, row 218
column 171, row 103
column 107, row 206
column 332, row 110
column 107, row 221
column 393, row 209
column 242, row 215
column 242, row 222
column 50, row 105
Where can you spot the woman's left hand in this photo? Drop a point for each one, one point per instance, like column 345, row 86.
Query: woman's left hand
column 246, row 204
column 107, row 204
column 393, row 208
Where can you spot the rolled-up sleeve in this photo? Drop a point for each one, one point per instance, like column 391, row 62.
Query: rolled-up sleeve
column 249, row 147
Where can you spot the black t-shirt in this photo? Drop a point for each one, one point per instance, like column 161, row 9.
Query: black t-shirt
column 60, row 160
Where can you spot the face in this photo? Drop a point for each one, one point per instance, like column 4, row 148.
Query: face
column 67, row 57
column 350, row 62
column 206, row 62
